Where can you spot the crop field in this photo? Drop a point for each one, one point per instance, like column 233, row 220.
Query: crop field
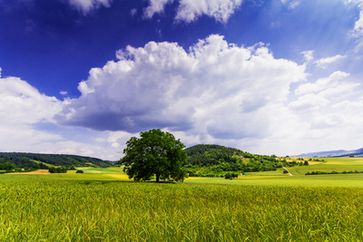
column 103, row 205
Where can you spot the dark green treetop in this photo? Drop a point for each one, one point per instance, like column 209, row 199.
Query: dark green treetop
column 155, row 153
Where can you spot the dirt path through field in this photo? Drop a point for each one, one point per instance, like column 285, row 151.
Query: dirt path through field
column 288, row 172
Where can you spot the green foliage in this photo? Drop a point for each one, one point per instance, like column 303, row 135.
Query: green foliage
column 57, row 170
column 16, row 161
column 231, row 176
column 6, row 165
column 154, row 153
column 39, row 161
column 206, row 155
column 71, row 168
column 79, row 171
column 216, row 160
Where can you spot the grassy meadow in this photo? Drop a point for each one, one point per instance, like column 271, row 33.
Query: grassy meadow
column 103, row 205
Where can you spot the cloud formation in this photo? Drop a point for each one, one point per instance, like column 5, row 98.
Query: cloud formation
column 23, row 110
column 330, row 111
column 357, row 31
column 214, row 89
column 213, row 92
column 218, row 92
column 22, row 103
column 190, row 10
column 156, row 7
column 358, row 26
column 22, row 106
column 325, row 62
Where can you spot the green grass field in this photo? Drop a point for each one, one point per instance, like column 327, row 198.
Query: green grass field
column 103, row 205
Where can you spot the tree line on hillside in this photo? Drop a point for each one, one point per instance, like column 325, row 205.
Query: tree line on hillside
column 216, row 160
column 158, row 154
column 312, row 173
column 31, row 161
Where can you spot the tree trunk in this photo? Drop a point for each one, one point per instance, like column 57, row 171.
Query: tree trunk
column 157, row 177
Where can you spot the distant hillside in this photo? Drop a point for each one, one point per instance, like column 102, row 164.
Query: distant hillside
column 214, row 160
column 10, row 161
column 333, row 153
column 204, row 155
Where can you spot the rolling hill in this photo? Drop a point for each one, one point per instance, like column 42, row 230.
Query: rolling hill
column 13, row 160
column 216, row 160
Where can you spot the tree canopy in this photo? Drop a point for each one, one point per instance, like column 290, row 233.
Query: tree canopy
column 155, row 153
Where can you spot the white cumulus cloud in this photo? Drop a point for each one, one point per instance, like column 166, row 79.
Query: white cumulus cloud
column 215, row 89
column 22, row 106
column 190, row 10
column 23, row 110
column 22, row 103
column 221, row 10
column 156, row 7
column 330, row 113
column 218, row 92
column 212, row 92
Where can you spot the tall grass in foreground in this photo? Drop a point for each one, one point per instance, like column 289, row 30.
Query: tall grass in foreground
column 47, row 208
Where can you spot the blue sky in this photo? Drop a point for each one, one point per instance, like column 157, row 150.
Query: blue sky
column 279, row 76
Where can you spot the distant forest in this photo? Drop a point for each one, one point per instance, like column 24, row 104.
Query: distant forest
column 216, row 160
column 30, row 161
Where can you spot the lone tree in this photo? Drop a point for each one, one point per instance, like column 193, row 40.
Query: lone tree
column 154, row 153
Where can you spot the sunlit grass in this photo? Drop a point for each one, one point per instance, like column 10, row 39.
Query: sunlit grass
column 99, row 170
column 331, row 164
column 103, row 205
column 52, row 208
